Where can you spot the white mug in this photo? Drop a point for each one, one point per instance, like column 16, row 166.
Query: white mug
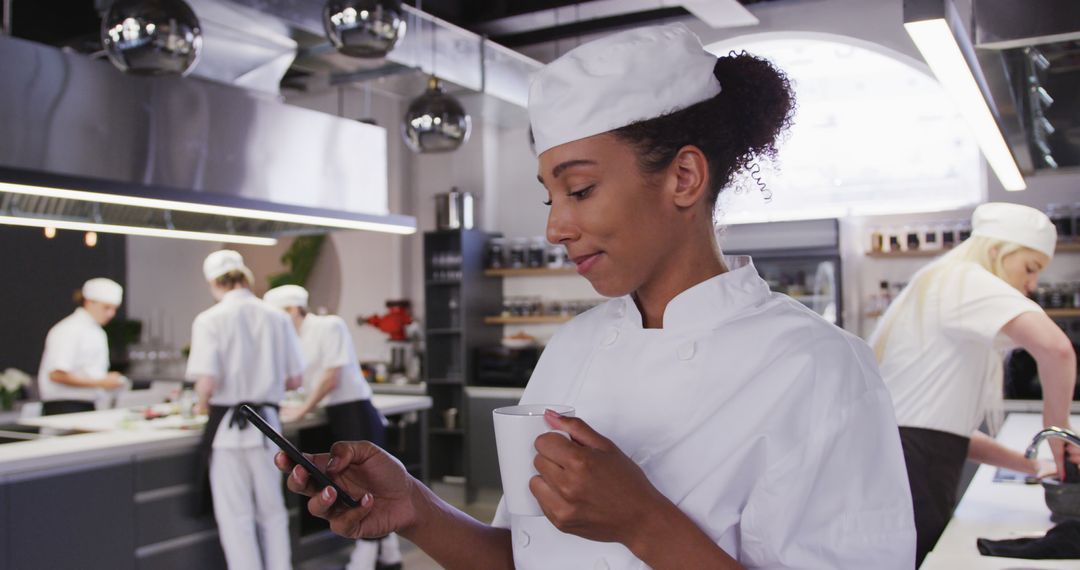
column 516, row 430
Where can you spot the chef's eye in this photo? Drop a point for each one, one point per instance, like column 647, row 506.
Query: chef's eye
column 582, row 194
column 547, row 202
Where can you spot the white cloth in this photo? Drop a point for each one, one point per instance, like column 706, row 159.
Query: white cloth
column 619, row 79
column 250, row 509
column 943, row 364
column 766, row 425
column 326, row 343
column 103, row 290
column 287, row 296
column 1015, row 223
column 223, row 261
column 367, row 552
column 77, row 345
column 250, row 349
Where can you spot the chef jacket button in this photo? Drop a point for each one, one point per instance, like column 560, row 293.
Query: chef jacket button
column 612, row 335
column 686, row 351
column 524, row 539
column 601, row 565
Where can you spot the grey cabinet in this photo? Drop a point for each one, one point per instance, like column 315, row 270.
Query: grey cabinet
column 73, row 518
column 482, row 467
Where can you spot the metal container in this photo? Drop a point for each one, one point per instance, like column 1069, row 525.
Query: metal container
column 454, row 210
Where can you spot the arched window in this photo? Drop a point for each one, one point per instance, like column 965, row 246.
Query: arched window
column 874, row 133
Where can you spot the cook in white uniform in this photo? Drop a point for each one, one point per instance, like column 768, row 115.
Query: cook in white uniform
column 941, row 343
column 332, row 380
column 243, row 351
column 719, row 425
column 74, row 371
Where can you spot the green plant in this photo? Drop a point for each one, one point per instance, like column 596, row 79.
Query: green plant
column 300, row 259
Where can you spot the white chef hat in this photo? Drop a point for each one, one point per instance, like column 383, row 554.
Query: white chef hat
column 618, row 80
column 1015, row 223
column 103, row 290
column 223, row 261
column 287, row 296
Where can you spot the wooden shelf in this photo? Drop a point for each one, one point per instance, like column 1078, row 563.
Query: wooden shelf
column 1067, row 247
column 873, row 314
column 1063, row 313
column 554, row 319
column 529, row 272
column 908, row 254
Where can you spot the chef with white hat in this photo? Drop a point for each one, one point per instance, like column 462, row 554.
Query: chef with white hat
column 718, row 424
column 333, row 381
column 74, row 371
column 941, row 343
column 243, row 351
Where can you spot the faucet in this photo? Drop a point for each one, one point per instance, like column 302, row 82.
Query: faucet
column 1071, row 474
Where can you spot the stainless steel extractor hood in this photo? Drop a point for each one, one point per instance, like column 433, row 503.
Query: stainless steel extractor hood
column 1024, row 59
column 85, row 145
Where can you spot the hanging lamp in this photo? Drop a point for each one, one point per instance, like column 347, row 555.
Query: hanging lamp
column 152, row 37
column 364, row 28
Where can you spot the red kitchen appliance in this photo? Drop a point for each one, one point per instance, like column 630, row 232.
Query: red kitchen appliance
column 393, row 323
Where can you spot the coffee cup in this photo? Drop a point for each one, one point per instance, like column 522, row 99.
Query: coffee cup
column 516, row 430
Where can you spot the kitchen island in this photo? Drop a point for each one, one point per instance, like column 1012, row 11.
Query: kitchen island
column 998, row 511
column 119, row 493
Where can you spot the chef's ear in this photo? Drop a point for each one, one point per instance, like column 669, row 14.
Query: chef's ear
column 691, row 171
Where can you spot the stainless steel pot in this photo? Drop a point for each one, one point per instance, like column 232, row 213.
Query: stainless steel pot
column 453, row 210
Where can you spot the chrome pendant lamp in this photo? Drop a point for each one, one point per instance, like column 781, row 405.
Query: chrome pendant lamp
column 435, row 121
column 364, row 28
column 152, row 37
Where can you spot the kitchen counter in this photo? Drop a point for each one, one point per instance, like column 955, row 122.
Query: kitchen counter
column 108, row 437
column 998, row 510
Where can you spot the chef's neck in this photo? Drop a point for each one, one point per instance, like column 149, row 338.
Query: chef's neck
column 218, row 291
column 692, row 262
column 297, row 316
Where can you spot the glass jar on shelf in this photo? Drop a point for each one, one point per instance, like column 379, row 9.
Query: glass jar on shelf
column 877, row 240
column 556, row 256
column 930, row 238
column 896, row 241
column 518, row 253
column 496, row 254
column 963, row 231
column 537, row 253
column 911, row 238
column 948, row 235
column 1062, row 217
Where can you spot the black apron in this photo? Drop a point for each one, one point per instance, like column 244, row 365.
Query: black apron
column 57, row 407
column 204, row 503
column 935, row 462
column 355, row 421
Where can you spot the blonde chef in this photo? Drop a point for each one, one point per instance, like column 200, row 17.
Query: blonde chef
column 74, row 371
column 940, row 347
column 332, row 380
column 243, row 351
column 720, row 425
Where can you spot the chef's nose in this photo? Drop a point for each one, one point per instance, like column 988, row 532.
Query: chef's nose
column 560, row 226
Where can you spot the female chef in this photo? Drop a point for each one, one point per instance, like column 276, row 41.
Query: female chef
column 332, row 378
column 719, row 424
column 74, row 370
column 243, row 351
column 939, row 347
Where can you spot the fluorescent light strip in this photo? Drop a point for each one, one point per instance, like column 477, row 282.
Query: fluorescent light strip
column 134, row 230
column 122, row 200
column 938, row 47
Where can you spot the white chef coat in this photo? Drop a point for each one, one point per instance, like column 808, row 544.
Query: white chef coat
column 251, row 349
column 766, row 425
column 326, row 343
column 77, row 345
column 943, row 363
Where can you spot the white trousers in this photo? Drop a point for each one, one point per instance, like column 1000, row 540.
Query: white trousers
column 387, row 551
column 250, row 509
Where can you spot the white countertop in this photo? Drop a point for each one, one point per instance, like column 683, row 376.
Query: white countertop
column 997, row 511
column 110, row 438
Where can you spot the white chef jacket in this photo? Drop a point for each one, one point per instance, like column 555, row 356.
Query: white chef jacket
column 326, row 343
column 77, row 345
column 769, row 427
column 251, row 349
column 943, row 363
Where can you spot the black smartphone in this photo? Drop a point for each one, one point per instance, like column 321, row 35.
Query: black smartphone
column 294, row 454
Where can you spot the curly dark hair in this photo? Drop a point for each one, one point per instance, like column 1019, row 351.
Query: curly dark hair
column 740, row 124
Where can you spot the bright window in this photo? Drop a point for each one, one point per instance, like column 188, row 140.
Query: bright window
column 872, row 135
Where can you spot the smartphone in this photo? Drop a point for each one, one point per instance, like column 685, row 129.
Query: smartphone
column 294, row 454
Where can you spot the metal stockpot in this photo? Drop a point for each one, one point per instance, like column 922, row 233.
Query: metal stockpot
column 454, row 210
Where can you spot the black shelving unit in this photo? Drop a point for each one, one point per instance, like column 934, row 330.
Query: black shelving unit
column 457, row 296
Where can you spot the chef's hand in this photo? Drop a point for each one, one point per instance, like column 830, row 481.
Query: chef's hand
column 112, row 381
column 377, row 480
column 292, row 413
column 1063, row 452
column 588, row 487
